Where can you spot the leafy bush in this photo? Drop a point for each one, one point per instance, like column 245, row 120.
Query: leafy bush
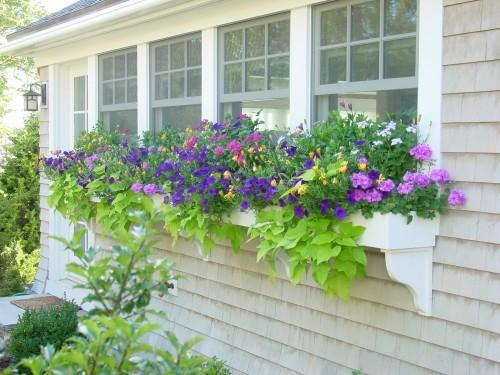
column 113, row 336
column 37, row 328
column 19, row 209
column 16, row 268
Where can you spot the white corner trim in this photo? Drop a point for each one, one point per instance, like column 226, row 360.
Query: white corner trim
column 209, row 75
column 429, row 67
column 413, row 269
column 92, row 91
column 300, row 66
column 143, row 92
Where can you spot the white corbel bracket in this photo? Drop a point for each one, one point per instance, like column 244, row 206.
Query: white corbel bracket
column 413, row 269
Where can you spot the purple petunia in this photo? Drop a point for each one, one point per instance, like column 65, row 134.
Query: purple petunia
column 440, row 176
column 324, row 206
column 457, row 198
column 361, row 180
column 373, row 196
column 150, row 189
column 136, row 187
column 405, row 188
column 359, row 143
column 386, row 186
column 340, row 213
column 421, row 152
column 299, row 211
column 374, row 174
column 245, row 205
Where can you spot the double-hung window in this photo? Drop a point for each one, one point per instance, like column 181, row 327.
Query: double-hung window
column 254, row 70
column 118, row 90
column 176, row 82
column 365, row 54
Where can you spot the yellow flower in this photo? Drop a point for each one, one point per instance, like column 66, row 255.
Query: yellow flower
column 318, row 150
column 251, row 150
column 342, row 168
column 227, row 175
column 362, row 166
column 274, row 183
column 302, row 189
column 323, row 178
column 189, row 131
column 293, row 190
column 229, row 195
column 335, row 181
column 315, row 169
column 221, row 193
column 380, row 179
column 311, row 154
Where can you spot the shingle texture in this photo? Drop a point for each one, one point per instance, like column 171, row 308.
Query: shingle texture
column 73, row 10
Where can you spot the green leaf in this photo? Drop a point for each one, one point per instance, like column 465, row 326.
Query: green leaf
column 297, row 270
column 327, row 252
column 359, row 255
column 263, row 249
column 308, row 175
column 346, row 242
column 324, row 238
column 320, row 272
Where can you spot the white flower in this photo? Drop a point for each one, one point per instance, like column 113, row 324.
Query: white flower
column 396, row 141
column 377, row 143
column 354, row 152
column 362, row 124
column 391, row 125
column 411, row 129
column 384, row 132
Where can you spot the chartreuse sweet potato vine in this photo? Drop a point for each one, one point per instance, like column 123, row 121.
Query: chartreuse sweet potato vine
column 302, row 186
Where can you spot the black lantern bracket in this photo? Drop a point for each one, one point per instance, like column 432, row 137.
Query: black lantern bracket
column 31, row 97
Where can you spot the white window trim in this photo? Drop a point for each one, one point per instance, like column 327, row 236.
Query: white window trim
column 249, row 95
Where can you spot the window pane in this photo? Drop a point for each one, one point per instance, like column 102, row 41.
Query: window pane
column 79, row 100
column 161, row 86
column 80, row 125
column 333, row 64
column 121, row 120
column 177, row 84
column 399, row 58
column 333, row 26
column 161, row 59
column 364, row 62
column 194, row 82
column 119, row 92
column 279, row 37
column 232, row 78
column 400, row 16
column 177, row 55
column 179, row 117
column 132, row 64
column 107, row 68
column 279, row 72
column 107, row 93
column 233, row 45
column 402, row 103
column 194, row 52
column 255, row 41
column 120, row 66
column 275, row 113
column 255, row 75
column 132, row 90
column 365, row 20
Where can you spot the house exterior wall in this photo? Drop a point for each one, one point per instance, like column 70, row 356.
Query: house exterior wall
column 261, row 327
column 43, row 266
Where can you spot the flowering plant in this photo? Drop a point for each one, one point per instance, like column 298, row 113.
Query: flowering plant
column 303, row 186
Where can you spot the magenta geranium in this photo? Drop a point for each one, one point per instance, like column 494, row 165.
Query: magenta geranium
column 457, row 198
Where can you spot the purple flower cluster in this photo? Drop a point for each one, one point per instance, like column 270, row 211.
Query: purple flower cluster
column 421, row 152
column 259, row 189
column 457, row 198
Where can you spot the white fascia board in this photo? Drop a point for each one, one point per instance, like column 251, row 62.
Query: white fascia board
column 133, row 8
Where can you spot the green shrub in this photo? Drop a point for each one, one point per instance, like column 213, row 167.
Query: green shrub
column 37, row 328
column 16, row 268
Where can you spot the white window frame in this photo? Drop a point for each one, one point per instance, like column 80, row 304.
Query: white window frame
column 349, row 87
column 173, row 102
column 107, row 108
column 250, row 95
column 76, row 112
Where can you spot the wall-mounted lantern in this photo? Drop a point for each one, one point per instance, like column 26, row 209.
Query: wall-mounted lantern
column 31, row 97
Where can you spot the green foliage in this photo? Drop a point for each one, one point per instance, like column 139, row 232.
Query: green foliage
column 17, row 268
column 113, row 337
column 19, row 209
column 325, row 246
column 36, row 328
column 14, row 14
